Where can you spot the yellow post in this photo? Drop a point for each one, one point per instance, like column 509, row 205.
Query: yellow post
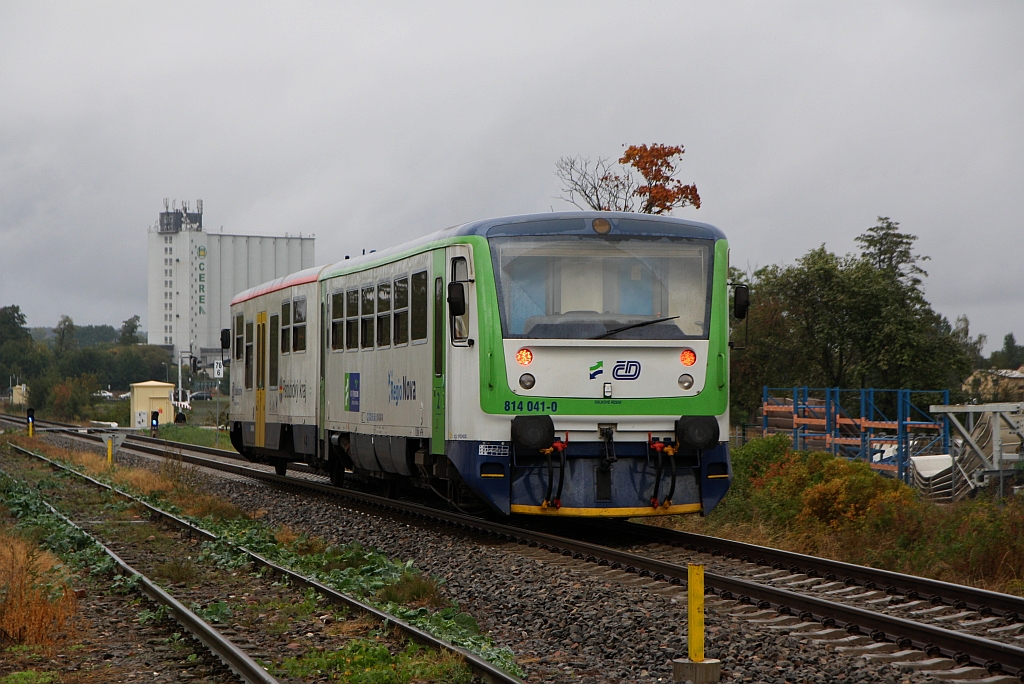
column 31, row 424
column 695, row 600
column 110, row 451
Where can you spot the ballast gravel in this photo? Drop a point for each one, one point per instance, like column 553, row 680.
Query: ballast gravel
column 565, row 622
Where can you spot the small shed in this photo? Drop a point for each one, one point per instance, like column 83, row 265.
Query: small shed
column 19, row 395
column 151, row 396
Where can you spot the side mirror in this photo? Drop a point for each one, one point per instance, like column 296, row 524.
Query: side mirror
column 225, row 338
column 456, row 299
column 741, row 301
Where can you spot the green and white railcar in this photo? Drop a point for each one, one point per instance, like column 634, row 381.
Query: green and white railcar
column 564, row 364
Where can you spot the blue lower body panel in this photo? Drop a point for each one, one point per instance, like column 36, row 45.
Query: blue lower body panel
column 589, row 489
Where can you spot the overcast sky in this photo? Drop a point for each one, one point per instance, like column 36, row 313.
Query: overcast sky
column 372, row 123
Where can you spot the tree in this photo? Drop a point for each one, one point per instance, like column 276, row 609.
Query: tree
column 849, row 321
column 12, row 325
column 645, row 183
column 891, row 250
column 129, row 330
column 1010, row 356
column 66, row 338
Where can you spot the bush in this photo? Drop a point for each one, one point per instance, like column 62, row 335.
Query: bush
column 820, row 504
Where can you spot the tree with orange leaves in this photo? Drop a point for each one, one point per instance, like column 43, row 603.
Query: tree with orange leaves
column 645, row 183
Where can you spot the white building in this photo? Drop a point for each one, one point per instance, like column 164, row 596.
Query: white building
column 194, row 274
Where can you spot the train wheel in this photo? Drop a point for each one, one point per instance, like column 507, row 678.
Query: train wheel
column 337, row 473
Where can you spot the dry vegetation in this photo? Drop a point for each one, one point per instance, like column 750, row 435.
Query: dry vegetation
column 175, row 481
column 36, row 603
column 821, row 505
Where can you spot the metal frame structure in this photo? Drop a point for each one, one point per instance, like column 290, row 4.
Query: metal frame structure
column 858, row 427
column 1008, row 413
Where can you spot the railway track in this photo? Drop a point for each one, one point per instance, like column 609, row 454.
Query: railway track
column 916, row 617
column 220, row 645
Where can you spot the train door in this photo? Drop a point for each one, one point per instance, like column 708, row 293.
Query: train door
column 437, row 403
column 261, row 378
column 460, row 352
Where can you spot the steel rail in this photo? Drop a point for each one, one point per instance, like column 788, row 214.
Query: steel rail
column 1007, row 605
column 219, row 645
column 885, row 627
column 477, row 664
column 951, row 643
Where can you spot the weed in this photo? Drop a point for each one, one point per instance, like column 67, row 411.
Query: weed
column 219, row 611
column 125, row 584
column 178, row 569
column 366, row 661
column 29, row 677
column 412, row 588
column 146, row 616
column 285, row 535
column 36, row 603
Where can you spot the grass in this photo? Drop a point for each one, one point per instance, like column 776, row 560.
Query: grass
column 193, row 434
column 36, row 603
column 397, row 587
column 369, row 661
column 818, row 504
column 413, row 589
column 29, row 677
column 175, row 481
column 178, row 569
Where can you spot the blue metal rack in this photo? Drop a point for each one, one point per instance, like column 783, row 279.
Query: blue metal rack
column 850, row 423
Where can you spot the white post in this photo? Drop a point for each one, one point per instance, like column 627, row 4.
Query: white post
column 177, row 397
column 997, row 447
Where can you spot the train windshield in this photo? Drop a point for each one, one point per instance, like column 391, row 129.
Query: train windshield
column 583, row 287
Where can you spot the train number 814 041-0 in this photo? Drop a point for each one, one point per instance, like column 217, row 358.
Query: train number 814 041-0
column 532, row 406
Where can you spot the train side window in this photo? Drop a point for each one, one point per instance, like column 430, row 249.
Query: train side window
column 460, row 324
column 367, row 305
column 239, row 337
column 384, row 314
column 338, row 321
column 438, row 327
column 401, row 311
column 286, row 330
column 352, row 319
column 418, row 315
column 248, row 355
column 275, row 329
column 299, row 324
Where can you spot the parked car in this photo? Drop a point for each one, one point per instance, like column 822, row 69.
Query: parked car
column 202, row 396
column 104, row 394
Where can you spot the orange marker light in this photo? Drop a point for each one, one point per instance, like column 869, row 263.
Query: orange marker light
column 524, row 357
column 688, row 357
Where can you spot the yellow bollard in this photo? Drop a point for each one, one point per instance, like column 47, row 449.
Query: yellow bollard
column 110, row 451
column 695, row 601
column 695, row 668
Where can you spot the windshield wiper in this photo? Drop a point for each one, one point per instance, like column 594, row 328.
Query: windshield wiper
column 630, row 327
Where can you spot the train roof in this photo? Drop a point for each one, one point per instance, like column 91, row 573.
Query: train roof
column 302, row 277
column 551, row 223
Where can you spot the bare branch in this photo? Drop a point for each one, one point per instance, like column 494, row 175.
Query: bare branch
column 595, row 187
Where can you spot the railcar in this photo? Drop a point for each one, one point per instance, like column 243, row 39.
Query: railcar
column 563, row 364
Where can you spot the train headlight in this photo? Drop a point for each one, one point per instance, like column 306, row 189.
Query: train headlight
column 686, row 381
column 688, row 357
column 527, row 381
column 524, row 357
column 602, row 226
